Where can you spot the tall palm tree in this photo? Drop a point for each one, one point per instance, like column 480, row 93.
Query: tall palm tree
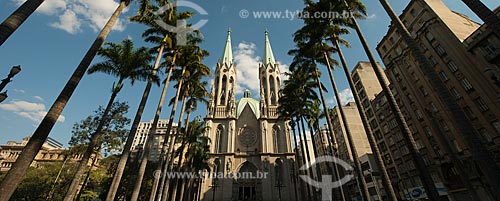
column 15, row 174
column 189, row 54
column 165, row 40
column 127, row 63
column 15, row 20
column 194, row 71
column 480, row 154
column 196, row 91
column 130, row 139
column 150, row 138
column 197, row 152
column 485, row 14
column 422, row 169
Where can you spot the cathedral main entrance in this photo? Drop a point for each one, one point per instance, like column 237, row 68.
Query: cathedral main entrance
column 246, row 188
column 247, row 193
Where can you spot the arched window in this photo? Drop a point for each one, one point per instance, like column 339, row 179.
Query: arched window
column 216, row 95
column 218, row 139
column 277, row 140
column 278, row 170
column 272, row 90
column 223, row 91
column 264, row 87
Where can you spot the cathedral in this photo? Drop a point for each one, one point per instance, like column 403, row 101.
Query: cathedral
column 250, row 145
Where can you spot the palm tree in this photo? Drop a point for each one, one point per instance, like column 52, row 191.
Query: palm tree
column 15, row 20
column 424, row 173
column 164, row 39
column 298, row 96
column 485, row 14
column 15, row 174
column 480, row 154
column 188, row 55
column 149, row 141
column 125, row 62
column 197, row 150
column 196, row 91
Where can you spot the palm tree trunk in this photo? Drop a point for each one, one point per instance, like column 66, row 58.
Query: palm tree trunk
column 315, row 151
column 172, row 156
column 150, row 139
column 115, row 184
column 480, row 154
column 94, row 141
column 181, row 182
column 295, row 175
column 484, row 13
column 308, row 158
column 164, row 153
column 386, row 181
column 52, row 189
column 330, row 126
column 365, row 194
column 14, row 21
column 424, row 173
column 17, row 171
column 87, row 177
column 304, row 159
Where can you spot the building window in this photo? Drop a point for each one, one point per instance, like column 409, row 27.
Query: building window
column 489, row 48
column 393, row 123
column 455, row 93
column 481, row 104
column 468, row 113
column 452, row 66
column 424, row 91
column 440, row 51
column 466, row 84
column 429, row 36
column 433, row 61
column 443, row 75
column 373, row 124
column 496, row 125
column 427, row 131
column 418, row 114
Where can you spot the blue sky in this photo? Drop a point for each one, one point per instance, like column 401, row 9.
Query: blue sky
column 51, row 43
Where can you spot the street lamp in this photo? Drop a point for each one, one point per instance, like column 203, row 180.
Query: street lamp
column 493, row 76
column 14, row 71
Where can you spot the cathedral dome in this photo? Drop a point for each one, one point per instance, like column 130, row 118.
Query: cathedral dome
column 247, row 100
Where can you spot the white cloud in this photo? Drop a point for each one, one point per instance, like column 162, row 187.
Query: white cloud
column 371, row 17
column 32, row 111
column 68, row 22
column 346, row 96
column 19, row 91
column 75, row 15
column 247, row 65
column 39, row 98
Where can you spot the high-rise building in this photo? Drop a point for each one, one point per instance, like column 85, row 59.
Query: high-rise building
column 141, row 136
column 440, row 33
column 247, row 135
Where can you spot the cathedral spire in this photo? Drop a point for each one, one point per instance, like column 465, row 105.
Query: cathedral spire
column 227, row 55
column 268, row 52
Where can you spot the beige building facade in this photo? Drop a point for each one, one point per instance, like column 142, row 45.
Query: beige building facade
column 143, row 131
column 441, row 34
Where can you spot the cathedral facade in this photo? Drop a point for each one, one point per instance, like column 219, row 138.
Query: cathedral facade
column 251, row 147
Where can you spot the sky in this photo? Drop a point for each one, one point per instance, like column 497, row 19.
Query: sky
column 52, row 42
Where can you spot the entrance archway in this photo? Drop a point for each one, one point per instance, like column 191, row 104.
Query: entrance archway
column 245, row 187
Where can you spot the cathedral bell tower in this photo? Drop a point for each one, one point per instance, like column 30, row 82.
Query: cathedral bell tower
column 222, row 103
column 270, row 82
